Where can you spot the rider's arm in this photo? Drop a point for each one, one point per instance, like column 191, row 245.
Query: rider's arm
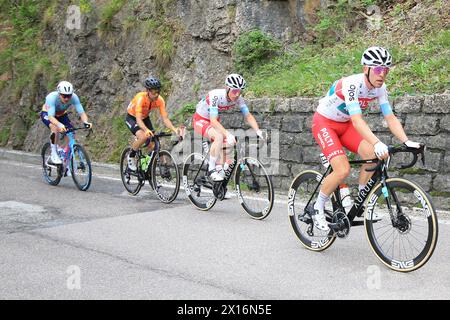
column 252, row 121
column 51, row 111
column 392, row 121
column 396, row 127
column 165, row 117
column 363, row 129
column 218, row 126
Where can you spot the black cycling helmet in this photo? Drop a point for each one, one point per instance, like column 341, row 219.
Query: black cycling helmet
column 152, row 83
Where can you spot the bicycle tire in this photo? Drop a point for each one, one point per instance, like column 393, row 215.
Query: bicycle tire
column 86, row 163
column 255, row 213
column 191, row 188
column 47, row 170
column 296, row 211
column 172, row 183
column 126, row 174
column 414, row 202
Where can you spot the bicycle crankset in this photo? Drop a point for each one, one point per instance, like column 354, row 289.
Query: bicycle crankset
column 340, row 224
column 219, row 190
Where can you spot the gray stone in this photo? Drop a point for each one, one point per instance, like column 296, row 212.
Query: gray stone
column 303, row 105
column 445, row 123
column 408, row 104
column 377, row 123
column 421, row 124
column 291, row 153
column 432, row 161
column 438, row 103
column 302, row 138
column 311, row 154
column 441, row 183
column 423, row 181
column 283, row 105
column 293, row 123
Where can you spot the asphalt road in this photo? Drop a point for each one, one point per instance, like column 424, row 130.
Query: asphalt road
column 61, row 243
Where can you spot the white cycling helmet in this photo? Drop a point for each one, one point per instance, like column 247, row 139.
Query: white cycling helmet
column 235, row 81
column 376, row 56
column 65, row 87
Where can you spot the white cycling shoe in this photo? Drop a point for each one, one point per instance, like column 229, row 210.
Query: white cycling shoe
column 320, row 222
column 215, row 176
column 131, row 163
column 55, row 158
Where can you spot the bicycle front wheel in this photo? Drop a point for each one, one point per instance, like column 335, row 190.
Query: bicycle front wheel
column 52, row 173
column 401, row 225
column 195, row 182
column 302, row 191
column 254, row 188
column 130, row 179
column 165, row 177
column 80, row 167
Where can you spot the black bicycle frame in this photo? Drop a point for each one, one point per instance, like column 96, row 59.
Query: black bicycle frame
column 357, row 209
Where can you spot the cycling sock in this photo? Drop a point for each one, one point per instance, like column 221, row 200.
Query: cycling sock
column 320, row 202
column 212, row 163
column 54, row 149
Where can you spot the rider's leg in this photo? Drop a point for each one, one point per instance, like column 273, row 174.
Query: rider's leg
column 215, row 172
column 327, row 134
column 365, row 150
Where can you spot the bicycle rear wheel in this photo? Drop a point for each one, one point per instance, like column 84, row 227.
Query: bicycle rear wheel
column 195, row 182
column 165, row 177
column 52, row 173
column 405, row 236
column 254, row 188
column 80, row 167
column 300, row 192
column 130, row 179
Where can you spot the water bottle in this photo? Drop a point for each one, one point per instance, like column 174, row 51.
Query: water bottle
column 346, row 198
column 145, row 161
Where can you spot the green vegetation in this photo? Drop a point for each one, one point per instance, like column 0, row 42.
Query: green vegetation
column 341, row 35
column 25, row 58
column 107, row 14
column 440, row 194
column 253, row 48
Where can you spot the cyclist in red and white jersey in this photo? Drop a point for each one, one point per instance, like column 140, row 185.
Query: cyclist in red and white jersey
column 206, row 120
column 338, row 123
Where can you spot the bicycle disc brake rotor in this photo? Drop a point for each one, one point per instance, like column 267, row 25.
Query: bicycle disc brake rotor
column 219, row 190
column 340, row 219
column 403, row 224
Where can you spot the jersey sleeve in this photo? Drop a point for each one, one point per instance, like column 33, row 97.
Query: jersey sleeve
column 243, row 106
column 350, row 90
column 77, row 104
column 383, row 100
column 51, row 104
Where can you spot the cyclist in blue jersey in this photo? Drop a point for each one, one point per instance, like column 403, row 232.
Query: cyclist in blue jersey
column 54, row 114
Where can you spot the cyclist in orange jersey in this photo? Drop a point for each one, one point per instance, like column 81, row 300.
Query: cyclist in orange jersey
column 138, row 120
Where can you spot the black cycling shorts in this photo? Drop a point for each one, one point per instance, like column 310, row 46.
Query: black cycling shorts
column 133, row 126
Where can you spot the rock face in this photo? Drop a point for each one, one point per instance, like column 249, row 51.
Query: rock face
column 107, row 66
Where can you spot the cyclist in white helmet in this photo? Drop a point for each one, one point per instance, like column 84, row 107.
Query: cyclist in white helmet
column 54, row 114
column 338, row 123
column 206, row 121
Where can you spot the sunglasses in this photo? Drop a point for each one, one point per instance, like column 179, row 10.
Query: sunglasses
column 66, row 96
column 154, row 91
column 235, row 92
column 378, row 70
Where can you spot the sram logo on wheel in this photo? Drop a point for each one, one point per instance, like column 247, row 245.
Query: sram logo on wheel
column 239, row 194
